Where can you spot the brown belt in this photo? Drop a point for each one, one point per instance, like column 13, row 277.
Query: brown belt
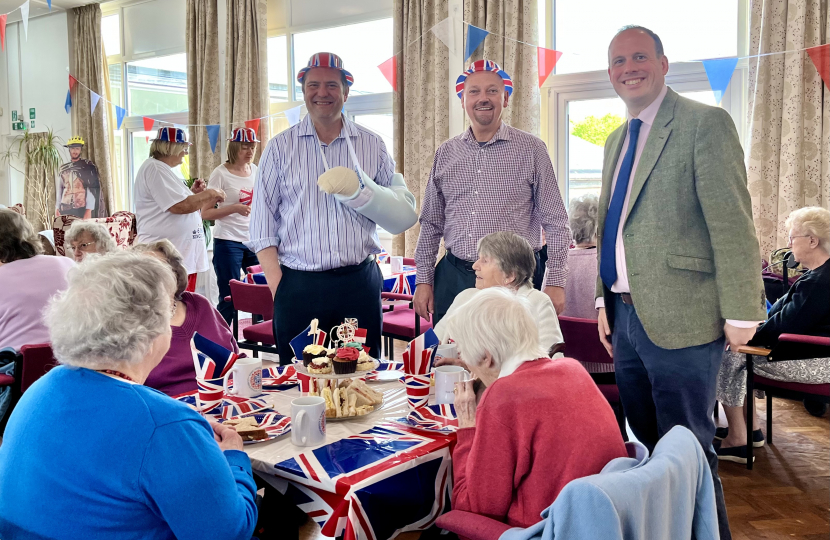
column 626, row 298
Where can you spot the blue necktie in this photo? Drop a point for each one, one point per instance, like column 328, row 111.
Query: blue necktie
column 608, row 262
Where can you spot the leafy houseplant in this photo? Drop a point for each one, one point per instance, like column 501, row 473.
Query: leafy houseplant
column 185, row 168
column 42, row 156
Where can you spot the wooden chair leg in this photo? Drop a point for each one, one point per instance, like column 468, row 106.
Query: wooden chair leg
column 715, row 412
column 750, row 406
column 390, row 351
column 769, row 418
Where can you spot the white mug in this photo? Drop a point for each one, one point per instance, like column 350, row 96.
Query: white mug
column 308, row 421
column 445, row 379
column 247, row 378
column 397, row 264
column 447, row 350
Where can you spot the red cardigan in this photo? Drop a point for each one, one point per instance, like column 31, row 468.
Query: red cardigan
column 536, row 430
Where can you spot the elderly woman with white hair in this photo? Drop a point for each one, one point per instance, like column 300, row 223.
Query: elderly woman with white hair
column 505, row 259
column 85, row 237
column 582, row 258
column 539, row 424
column 805, row 309
column 109, row 456
column 166, row 209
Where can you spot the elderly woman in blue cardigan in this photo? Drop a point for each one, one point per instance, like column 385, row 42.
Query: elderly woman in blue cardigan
column 90, row 452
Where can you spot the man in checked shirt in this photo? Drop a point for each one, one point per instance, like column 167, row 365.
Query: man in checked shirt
column 491, row 178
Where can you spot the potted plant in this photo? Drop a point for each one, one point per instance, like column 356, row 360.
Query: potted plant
column 41, row 154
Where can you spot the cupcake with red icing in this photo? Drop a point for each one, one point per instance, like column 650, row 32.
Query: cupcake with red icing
column 345, row 360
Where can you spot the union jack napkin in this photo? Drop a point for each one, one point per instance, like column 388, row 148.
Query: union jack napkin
column 210, row 359
column 417, row 362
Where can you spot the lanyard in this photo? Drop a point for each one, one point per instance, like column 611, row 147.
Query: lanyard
column 348, row 144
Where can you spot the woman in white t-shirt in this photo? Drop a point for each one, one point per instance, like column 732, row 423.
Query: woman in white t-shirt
column 236, row 179
column 166, row 208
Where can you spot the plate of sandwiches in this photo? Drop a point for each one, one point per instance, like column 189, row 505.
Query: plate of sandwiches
column 348, row 399
column 259, row 427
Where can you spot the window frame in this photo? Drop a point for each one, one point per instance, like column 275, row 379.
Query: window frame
column 559, row 90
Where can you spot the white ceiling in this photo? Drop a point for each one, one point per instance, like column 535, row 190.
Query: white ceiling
column 39, row 7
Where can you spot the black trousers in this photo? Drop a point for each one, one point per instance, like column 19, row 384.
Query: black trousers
column 329, row 296
column 453, row 275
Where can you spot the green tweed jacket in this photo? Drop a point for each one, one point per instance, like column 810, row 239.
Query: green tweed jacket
column 690, row 246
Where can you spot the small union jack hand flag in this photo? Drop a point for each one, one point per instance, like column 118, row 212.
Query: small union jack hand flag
column 310, row 336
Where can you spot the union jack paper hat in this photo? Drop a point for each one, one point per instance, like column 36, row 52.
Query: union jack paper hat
column 172, row 134
column 243, row 135
column 484, row 65
column 324, row 59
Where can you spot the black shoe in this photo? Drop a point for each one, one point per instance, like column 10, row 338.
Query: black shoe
column 738, row 454
column 757, row 436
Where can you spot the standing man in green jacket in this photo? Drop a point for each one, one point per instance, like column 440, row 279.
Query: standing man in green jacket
column 679, row 263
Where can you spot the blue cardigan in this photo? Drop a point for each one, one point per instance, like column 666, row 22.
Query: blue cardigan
column 87, row 456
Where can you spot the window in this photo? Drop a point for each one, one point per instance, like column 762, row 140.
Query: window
column 380, row 123
column 111, row 34
column 689, row 30
column 157, row 85
column 579, row 103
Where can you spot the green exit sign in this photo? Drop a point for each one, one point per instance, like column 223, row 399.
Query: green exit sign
column 17, row 126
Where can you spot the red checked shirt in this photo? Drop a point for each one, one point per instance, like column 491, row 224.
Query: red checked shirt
column 506, row 185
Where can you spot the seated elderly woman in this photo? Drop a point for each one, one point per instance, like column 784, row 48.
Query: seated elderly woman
column 805, row 309
column 540, row 424
column 191, row 313
column 580, row 291
column 27, row 281
column 505, row 259
column 107, row 455
column 85, row 237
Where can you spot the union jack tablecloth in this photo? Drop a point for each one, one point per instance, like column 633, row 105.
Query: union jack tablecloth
column 372, row 479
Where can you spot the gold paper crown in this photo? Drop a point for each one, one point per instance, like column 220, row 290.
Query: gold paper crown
column 75, row 140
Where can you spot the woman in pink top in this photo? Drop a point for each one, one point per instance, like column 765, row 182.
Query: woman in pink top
column 539, row 424
column 28, row 280
column 192, row 313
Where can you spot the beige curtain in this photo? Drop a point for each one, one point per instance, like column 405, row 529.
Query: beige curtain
column 246, row 69
column 788, row 160
column 420, row 106
column 38, row 187
column 203, row 84
column 88, row 67
column 513, row 21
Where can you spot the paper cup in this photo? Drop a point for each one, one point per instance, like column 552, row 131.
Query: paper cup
column 417, row 390
column 210, row 394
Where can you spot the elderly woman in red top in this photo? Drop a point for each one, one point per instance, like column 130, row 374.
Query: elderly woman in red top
column 540, row 424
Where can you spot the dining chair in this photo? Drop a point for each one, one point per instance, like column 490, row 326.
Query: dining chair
column 8, row 383
column 582, row 343
column 789, row 347
column 255, row 269
column 256, row 300
column 400, row 322
column 407, row 261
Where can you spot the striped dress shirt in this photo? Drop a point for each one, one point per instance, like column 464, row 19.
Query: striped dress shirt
column 311, row 230
column 507, row 184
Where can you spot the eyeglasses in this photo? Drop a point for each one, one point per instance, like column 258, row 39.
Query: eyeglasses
column 790, row 238
column 82, row 246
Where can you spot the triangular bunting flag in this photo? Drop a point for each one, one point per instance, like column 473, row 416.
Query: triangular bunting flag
column 213, row 136
column 821, row 59
column 120, row 113
column 93, row 100
column 24, row 13
column 68, row 103
column 390, row 71
column 475, row 36
column 2, row 32
column 446, row 32
column 147, row 139
column 547, row 61
column 49, row 3
column 148, row 123
column 293, row 115
column 72, row 81
column 253, row 124
column 719, row 71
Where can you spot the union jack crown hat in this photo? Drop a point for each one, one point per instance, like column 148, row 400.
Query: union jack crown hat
column 329, row 60
column 243, row 135
column 483, row 65
column 172, row 134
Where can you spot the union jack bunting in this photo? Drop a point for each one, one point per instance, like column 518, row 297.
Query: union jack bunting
column 483, row 65
column 345, row 486
column 210, row 359
column 246, row 134
column 328, row 60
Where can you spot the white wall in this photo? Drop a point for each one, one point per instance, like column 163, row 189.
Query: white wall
column 33, row 73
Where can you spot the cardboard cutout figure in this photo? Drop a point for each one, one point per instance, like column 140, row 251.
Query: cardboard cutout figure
column 78, row 186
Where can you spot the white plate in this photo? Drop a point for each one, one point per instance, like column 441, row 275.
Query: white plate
column 302, row 369
column 384, row 376
column 276, row 425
